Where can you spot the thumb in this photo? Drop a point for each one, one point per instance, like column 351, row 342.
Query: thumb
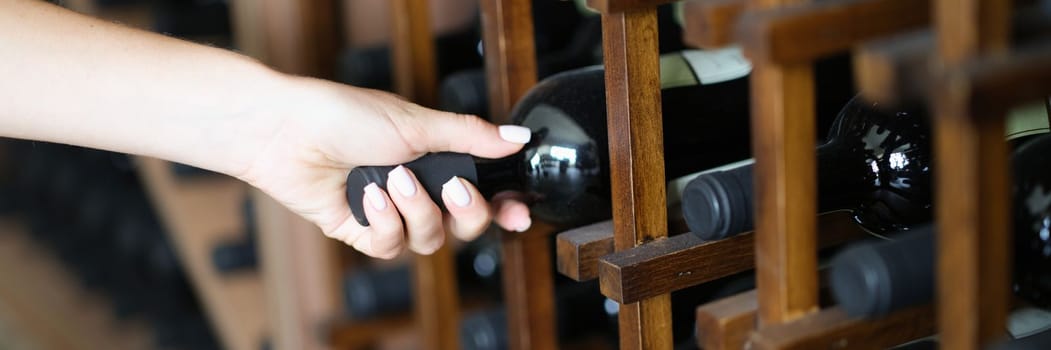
column 443, row 131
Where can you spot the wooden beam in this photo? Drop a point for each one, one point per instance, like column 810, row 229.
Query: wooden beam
column 725, row 324
column 510, row 60
column 711, row 23
column 804, row 33
column 972, row 206
column 636, row 160
column 833, row 329
column 198, row 215
column 614, row 6
column 415, row 66
column 579, row 250
column 896, row 68
column 682, row 261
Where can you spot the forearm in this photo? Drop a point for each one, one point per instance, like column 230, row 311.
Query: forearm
column 72, row 79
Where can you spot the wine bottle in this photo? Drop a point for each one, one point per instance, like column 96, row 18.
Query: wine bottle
column 1038, row 341
column 876, row 278
column 1032, row 221
column 871, row 279
column 876, row 163
column 566, row 165
column 240, row 254
column 372, row 293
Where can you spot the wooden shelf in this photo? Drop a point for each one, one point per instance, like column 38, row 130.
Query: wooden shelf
column 43, row 306
column 200, row 213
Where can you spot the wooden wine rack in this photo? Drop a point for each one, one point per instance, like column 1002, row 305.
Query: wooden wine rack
column 968, row 75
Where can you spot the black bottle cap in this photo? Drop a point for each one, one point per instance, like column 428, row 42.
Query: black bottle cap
column 432, row 171
column 876, row 278
column 485, row 330
column 718, row 205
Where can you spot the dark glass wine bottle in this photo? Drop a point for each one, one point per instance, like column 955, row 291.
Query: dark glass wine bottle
column 566, row 165
column 1032, row 221
column 872, row 279
column 240, row 254
column 876, row 163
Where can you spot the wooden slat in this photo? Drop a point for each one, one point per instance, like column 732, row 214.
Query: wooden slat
column 614, row 6
column 415, row 66
column 683, row 261
column 972, row 207
column 579, row 249
column 833, row 329
column 725, row 324
column 198, row 215
column 346, row 334
column 803, row 33
column 510, row 62
column 711, row 23
column 785, row 173
column 885, row 69
column 300, row 35
column 997, row 84
column 44, row 306
column 636, row 159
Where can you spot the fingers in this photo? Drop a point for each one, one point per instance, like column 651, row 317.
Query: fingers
column 443, row 131
column 384, row 237
column 469, row 213
column 511, row 212
column 423, row 219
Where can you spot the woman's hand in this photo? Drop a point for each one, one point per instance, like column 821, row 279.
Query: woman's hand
column 323, row 129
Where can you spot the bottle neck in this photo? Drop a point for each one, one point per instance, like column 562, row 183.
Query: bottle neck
column 496, row 175
column 841, row 177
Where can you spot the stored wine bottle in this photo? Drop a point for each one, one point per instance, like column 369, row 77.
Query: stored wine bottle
column 876, row 278
column 566, row 164
column 1038, row 341
column 238, row 255
column 876, row 163
column 377, row 292
column 1032, row 221
column 578, row 307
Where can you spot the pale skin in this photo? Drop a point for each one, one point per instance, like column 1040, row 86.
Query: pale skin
column 72, row 79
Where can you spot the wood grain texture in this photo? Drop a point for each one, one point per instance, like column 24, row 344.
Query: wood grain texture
column 972, row 206
column 896, row 68
column 833, row 329
column 578, row 250
column 413, row 60
column 786, row 196
column 803, row 33
column 301, row 36
column 615, row 6
column 636, row 160
column 510, row 62
column 711, row 23
column 996, row 84
column 726, row 323
column 198, row 215
column 683, row 261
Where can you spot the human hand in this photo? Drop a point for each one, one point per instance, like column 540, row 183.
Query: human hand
column 321, row 130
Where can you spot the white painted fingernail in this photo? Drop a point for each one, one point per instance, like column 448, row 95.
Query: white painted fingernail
column 525, row 225
column 457, row 192
column 372, row 191
column 515, row 133
column 402, row 181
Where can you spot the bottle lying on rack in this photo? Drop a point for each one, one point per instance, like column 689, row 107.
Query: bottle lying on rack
column 875, row 278
column 876, row 163
column 240, row 254
column 373, row 293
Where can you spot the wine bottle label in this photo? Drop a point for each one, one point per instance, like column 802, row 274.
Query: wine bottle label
column 1028, row 321
column 693, row 67
column 1025, row 120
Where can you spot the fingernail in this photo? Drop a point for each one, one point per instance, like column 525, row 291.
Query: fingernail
column 525, row 225
column 402, row 181
column 372, row 191
column 457, row 192
column 515, row 133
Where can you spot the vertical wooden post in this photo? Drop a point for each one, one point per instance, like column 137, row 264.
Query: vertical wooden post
column 636, row 159
column 510, row 63
column 785, row 187
column 972, row 185
column 415, row 77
